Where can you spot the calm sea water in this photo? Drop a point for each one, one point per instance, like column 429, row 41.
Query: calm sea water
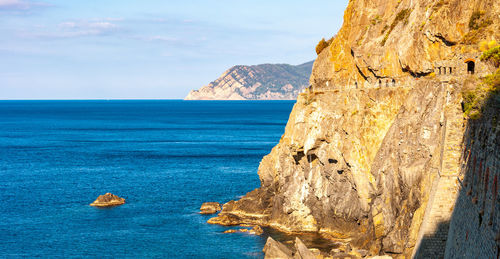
column 164, row 157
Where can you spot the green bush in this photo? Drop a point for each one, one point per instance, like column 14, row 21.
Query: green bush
column 493, row 81
column 474, row 99
column 477, row 21
column 474, row 20
column 492, row 55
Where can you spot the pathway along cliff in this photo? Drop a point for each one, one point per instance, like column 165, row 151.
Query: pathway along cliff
column 373, row 152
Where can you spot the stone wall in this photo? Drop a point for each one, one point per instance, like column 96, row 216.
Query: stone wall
column 475, row 224
column 458, row 67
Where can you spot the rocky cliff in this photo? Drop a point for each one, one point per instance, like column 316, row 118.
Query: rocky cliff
column 260, row 82
column 380, row 131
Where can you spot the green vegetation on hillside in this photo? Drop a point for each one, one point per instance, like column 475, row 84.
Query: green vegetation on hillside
column 492, row 55
column 478, row 22
column 475, row 21
column 476, row 98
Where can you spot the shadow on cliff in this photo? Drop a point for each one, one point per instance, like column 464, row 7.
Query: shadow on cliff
column 474, row 228
column 433, row 246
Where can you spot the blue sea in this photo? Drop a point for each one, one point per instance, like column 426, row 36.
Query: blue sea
column 164, row 157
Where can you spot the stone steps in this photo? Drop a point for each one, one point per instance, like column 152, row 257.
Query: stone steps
column 435, row 226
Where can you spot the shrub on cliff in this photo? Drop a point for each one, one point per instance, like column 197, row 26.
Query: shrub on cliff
column 492, row 55
column 322, row 44
column 477, row 20
column 474, row 20
column 475, row 98
column 478, row 24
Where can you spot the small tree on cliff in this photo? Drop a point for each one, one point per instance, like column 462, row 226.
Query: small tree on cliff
column 322, row 44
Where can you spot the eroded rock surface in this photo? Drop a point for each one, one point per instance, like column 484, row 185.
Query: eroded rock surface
column 302, row 252
column 108, row 200
column 276, row 250
column 210, row 208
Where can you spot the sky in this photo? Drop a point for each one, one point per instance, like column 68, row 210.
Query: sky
column 149, row 49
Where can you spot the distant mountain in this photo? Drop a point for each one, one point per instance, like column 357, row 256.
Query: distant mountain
column 259, row 82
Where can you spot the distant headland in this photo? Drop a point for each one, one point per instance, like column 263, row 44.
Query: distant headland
column 259, row 82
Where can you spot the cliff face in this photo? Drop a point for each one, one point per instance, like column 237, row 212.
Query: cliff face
column 380, row 128
column 260, row 82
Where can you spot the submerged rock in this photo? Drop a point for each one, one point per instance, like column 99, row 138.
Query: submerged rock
column 108, row 200
column 254, row 231
column 257, row 230
column 210, row 207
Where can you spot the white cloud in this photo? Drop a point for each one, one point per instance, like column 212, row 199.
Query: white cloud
column 84, row 28
column 72, row 29
column 84, row 25
column 20, row 4
column 162, row 38
column 102, row 25
column 111, row 19
column 9, row 2
column 13, row 4
column 67, row 25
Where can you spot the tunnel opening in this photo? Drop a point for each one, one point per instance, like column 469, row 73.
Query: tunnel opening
column 471, row 66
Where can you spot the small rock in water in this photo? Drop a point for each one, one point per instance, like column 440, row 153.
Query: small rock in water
column 246, row 225
column 108, row 200
column 210, row 208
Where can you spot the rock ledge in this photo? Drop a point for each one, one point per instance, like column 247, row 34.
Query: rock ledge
column 210, row 208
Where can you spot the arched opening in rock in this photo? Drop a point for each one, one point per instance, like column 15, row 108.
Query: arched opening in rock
column 439, row 69
column 380, row 83
column 356, row 85
column 450, row 70
column 444, row 70
column 393, row 82
column 471, row 65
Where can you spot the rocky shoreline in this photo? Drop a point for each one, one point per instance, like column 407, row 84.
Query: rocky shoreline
column 381, row 124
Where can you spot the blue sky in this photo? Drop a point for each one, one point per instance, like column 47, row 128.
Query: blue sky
column 94, row 49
